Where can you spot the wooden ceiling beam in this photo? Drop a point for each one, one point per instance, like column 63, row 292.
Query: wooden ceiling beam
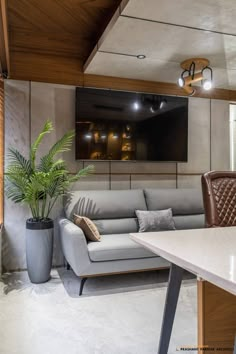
column 68, row 71
column 161, row 88
column 4, row 41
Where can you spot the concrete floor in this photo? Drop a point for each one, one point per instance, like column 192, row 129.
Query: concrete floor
column 116, row 314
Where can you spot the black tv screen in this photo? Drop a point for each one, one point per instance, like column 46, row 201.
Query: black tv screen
column 118, row 125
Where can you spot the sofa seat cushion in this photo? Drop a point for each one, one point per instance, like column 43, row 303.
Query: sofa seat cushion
column 116, row 247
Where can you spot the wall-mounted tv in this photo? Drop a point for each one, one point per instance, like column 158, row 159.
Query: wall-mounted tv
column 130, row 126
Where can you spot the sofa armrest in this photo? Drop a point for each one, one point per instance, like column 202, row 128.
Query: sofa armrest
column 74, row 246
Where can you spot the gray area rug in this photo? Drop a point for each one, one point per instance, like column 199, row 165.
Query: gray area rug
column 117, row 314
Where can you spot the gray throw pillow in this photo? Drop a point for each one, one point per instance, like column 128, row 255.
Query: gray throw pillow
column 156, row 220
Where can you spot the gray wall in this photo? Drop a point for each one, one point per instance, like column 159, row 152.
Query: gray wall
column 28, row 105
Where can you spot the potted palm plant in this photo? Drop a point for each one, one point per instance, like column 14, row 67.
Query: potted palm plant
column 39, row 185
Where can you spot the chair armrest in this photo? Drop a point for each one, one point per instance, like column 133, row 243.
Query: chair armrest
column 74, row 246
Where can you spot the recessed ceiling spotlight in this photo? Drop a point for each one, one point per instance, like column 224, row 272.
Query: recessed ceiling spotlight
column 141, row 56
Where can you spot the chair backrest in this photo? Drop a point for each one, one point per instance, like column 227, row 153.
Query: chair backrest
column 219, row 198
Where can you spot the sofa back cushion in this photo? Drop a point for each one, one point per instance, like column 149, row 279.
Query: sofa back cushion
column 104, row 204
column 117, row 226
column 186, row 205
column 181, row 201
column 113, row 211
column 185, row 222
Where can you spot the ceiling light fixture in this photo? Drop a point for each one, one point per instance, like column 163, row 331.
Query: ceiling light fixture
column 141, row 56
column 194, row 70
column 189, row 90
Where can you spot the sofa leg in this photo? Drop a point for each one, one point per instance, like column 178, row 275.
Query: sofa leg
column 83, row 280
column 68, row 267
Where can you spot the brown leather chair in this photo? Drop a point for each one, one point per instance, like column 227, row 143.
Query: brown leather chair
column 219, row 198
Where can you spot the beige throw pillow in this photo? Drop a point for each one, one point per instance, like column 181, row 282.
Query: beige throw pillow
column 89, row 228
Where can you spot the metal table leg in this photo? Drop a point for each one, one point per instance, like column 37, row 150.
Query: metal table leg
column 174, row 283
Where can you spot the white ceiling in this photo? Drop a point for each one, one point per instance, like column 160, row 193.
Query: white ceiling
column 167, row 35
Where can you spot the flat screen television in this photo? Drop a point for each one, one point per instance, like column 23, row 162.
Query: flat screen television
column 130, row 126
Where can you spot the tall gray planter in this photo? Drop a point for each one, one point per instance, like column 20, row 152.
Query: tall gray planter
column 39, row 249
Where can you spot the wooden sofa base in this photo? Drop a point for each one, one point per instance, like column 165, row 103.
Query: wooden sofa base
column 124, row 272
column 85, row 277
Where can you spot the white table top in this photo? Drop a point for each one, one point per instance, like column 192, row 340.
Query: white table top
column 208, row 253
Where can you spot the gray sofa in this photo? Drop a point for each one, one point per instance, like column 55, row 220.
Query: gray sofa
column 113, row 212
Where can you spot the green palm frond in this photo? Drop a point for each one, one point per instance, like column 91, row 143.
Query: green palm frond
column 33, row 189
column 14, row 194
column 14, row 170
column 58, row 187
column 46, row 130
column 62, row 145
column 17, row 179
column 15, row 186
column 15, row 190
column 58, row 165
column 82, row 173
column 16, row 159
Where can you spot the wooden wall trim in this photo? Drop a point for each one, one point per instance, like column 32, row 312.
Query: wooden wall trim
column 163, row 88
column 1, row 150
column 134, row 173
column 68, row 71
column 4, row 40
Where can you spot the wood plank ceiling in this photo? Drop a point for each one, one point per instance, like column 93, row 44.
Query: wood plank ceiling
column 51, row 39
